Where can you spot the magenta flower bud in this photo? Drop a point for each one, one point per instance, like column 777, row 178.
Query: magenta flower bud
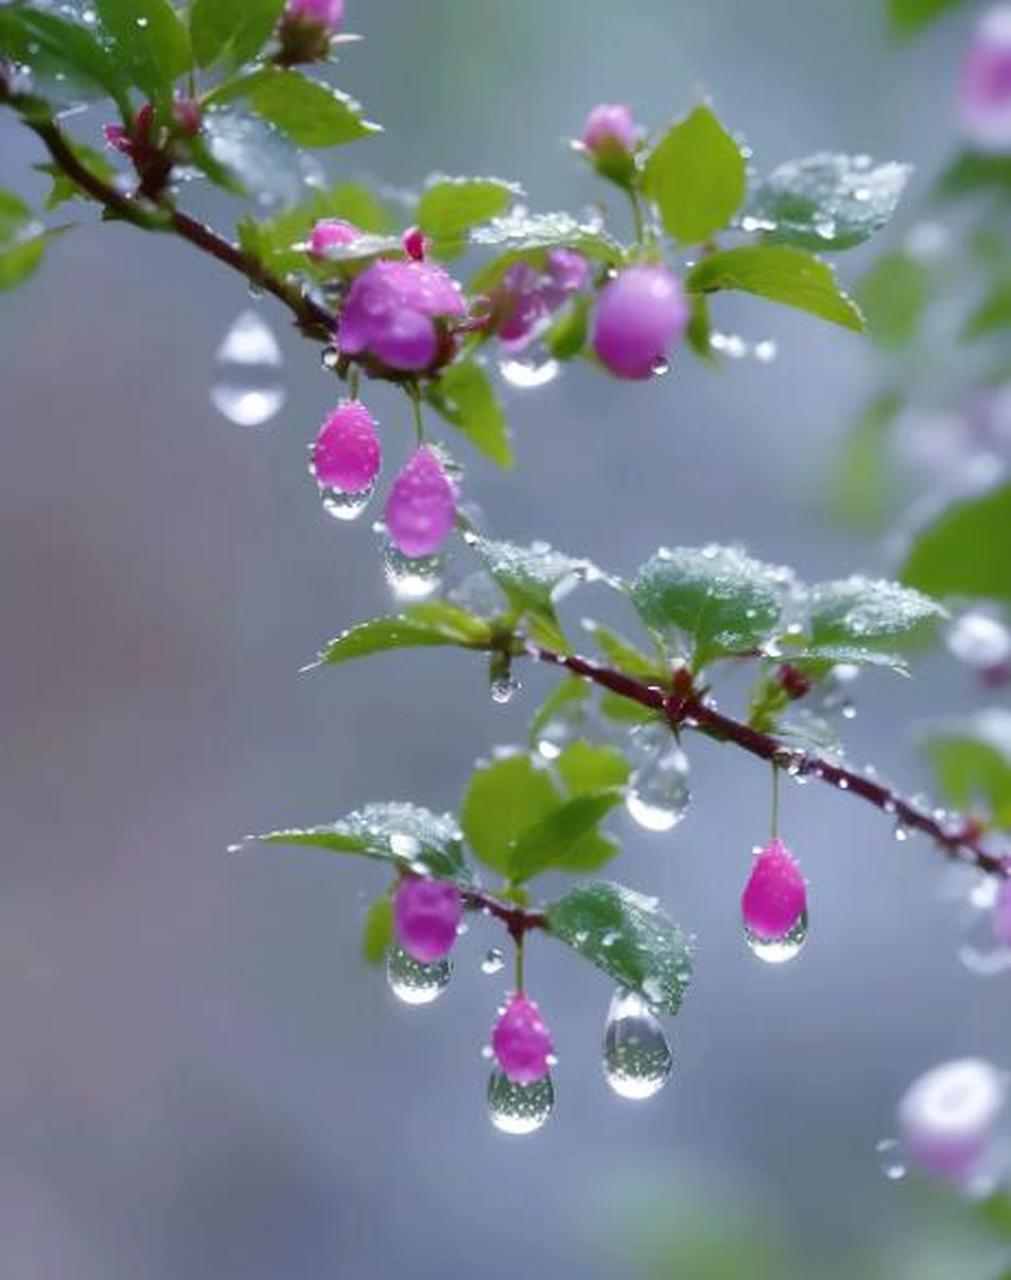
column 415, row 244
column 346, row 455
column 1001, row 918
column 948, row 1117
column 187, row 115
column 521, row 1041
column 328, row 13
column 116, row 137
column 640, row 313
column 391, row 312
column 330, row 233
column 426, row 915
column 775, row 897
column 610, row 126
column 985, row 90
column 421, row 506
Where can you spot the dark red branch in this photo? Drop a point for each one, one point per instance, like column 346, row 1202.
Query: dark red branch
column 517, row 920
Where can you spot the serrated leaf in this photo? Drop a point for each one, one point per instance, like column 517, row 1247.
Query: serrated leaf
column 149, row 42
column 528, row 237
column 464, row 396
column 893, row 296
column 964, row 551
column 533, row 577
column 310, row 113
column 588, row 767
column 422, row 626
column 719, row 598
column 822, row 656
column 782, row 274
column 627, row 936
column 559, row 840
column 503, row 800
column 404, row 834
column 377, row 931
column 450, row 207
column 238, row 28
column 53, row 45
column 972, row 761
column 621, row 653
column 870, row 613
column 696, row 176
column 828, row 200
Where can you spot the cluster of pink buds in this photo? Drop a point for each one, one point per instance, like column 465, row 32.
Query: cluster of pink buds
column 985, row 90
column 149, row 145
column 526, row 300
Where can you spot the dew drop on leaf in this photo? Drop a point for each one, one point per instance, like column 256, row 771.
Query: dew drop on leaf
column 247, row 389
column 519, row 1108
column 413, row 982
column 637, row 1057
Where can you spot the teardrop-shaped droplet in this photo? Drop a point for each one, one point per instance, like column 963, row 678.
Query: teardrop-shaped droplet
column 528, row 374
column 658, row 792
column 565, row 724
column 345, row 506
column 411, row 578
column 637, row 1057
column 504, row 688
column 494, row 961
column 779, row 950
column 519, row 1108
column 247, row 389
column 414, row 982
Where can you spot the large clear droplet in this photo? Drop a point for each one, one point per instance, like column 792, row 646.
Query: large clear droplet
column 779, row 950
column 414, row 982
column 528, row 374
column 345, row 506
column 980, row 640
column 504, row 688
column 247, row 389
column 411, row 578
column 637, row 1057
column 494, row 961
column 519, row 1108
column 658, row 792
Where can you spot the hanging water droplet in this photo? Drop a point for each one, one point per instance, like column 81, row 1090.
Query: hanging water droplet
column 901, row 832
column 345, row 506
column 980, row 641
column 330, row 357
column 779, row 950
column 519, row 1108
column 248, row 391
column 889, row 1152
column 637, row 1057
column 414, row 982
column 504, row 689
column 528, row 374
column 658, row 793
column 411, row 578
column 494, row 961
column 661, row 365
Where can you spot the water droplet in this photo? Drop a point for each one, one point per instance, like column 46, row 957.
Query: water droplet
column 345, row 506
column 504, row 689
column 637, row 1057
column 529, row 374
column 411, row 578
column 494, row 961
column 248, row 391
column 330, row 357
column 980, row 641
column 658, row 794
column 765, row 351
column 901, row 832
column 889, row 1153
column 519, row 1108
column 660, row 366
column 414, row 982
column 779, row 950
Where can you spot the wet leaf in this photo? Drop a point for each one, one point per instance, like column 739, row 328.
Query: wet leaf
column 696, row 176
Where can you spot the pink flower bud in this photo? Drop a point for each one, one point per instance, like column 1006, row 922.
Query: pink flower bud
column 116, row 137
column 421, row 506
column 328, row 13
column 426, row 914
column 610, row 126
column 985, row 90
column 1001, row 918
column 640, row 313
column 521, row 1041
column 775, row 897
column 346, row 454
column 329, row 233
column 186, row 113
column 391, row 312
column 948, row 1116
column 415, row 244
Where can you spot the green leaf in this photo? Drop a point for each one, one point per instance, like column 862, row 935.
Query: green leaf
column 149, row 42
column 909, row 16
column 995, row 1213
column 310, row 113
column 406, row 835
column 993, row 315
column 280, row 242
column 624, row 711
column 528, row 237
column 627, row 936
column 561, row 701
column 973, row 172
column 620, row 653
column 964, row 552
column 52, row 45
column 718, row 597
column 587, row 767
column 22, row 241
column 869, row 613
column 422, row 625
column 236, row 27
column 449, row 207
column 377, row 931
column 566, row 839
column 972, row 761
column 463, row 395
column 565, row 337
column 782, row 274
column 503, row 800
column 859, row 490
column 699, row 332
column 696, row 175
column 533, row 578
column 64, row 188
column 827, row 201
column 818, row 658
column 893, row 296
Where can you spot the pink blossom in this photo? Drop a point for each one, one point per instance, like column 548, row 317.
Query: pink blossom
column 527, row 298
column 985, row 90
column 639, row 315
column 421, row 505
column 775, row 896
column 329, row 233
column 426, row 914
column 346, row 455
column 391, row 312
column 521, row 1041
column 328, row 13
column 948, row 1116
column 611, row 126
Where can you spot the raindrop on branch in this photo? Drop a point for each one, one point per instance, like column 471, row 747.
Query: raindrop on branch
column 519, row 1108
column 413, row 982
column 247, row 389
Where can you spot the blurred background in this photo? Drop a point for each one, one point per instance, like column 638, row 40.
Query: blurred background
column 199, row 1080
